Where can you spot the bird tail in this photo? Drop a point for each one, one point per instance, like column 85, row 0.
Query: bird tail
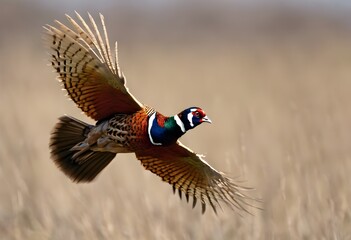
column 79, row 165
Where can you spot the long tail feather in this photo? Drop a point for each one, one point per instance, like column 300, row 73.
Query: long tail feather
column 82, row 167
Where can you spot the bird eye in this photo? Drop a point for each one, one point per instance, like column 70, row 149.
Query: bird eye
column 197, row 114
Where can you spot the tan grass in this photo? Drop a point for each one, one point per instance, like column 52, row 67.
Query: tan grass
column 282, row 118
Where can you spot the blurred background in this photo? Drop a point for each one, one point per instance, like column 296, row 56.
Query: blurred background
column 273, row 76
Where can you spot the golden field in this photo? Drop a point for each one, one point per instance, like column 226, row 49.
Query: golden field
column 279, row 99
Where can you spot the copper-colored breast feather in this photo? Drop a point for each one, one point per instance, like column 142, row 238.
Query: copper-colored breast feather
column 87, row 69
column 192, row 176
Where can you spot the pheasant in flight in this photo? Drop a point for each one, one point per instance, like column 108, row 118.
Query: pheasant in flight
column 82, row 57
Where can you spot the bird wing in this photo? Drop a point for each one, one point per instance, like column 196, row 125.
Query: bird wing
column 87, row 69
column 192, row 175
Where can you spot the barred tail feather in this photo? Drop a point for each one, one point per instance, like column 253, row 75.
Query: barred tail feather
column 82, row 167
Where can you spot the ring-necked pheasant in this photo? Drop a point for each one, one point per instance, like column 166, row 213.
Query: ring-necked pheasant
column 90, row 73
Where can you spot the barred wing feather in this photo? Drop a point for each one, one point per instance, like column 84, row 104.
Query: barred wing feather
column 87, row 69
column 187, row 172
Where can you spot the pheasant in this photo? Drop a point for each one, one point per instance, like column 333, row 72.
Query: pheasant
column 91, row 75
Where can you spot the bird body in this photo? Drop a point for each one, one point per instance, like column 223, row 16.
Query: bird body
column 91, row 75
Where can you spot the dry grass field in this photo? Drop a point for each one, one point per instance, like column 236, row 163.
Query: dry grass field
column 280, row 100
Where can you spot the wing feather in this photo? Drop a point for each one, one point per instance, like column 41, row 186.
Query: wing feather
column 190, row 174
column 107, row 45
column 87, row 69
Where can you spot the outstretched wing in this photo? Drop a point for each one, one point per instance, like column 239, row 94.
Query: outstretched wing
column 87, row 69
column 192, row 176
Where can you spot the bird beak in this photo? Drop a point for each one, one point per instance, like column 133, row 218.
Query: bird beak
column 206, row 119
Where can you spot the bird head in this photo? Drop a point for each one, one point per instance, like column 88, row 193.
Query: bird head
column 192, row 117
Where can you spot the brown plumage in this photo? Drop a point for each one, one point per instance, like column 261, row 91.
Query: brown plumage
column 91, row 75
